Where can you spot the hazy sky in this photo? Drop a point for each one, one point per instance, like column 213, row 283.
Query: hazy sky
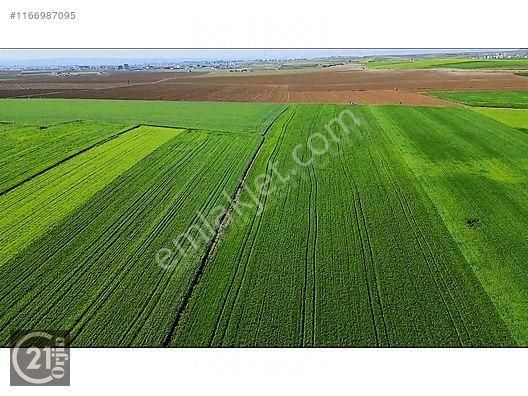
column 40, row 56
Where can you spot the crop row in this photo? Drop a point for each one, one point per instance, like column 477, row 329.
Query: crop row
column 348, row 251
column 30, row 149
column 95, row 272
column 475, row 171
column 30, row 209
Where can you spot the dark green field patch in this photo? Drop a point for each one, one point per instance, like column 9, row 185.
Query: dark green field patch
column 350, row 251
column 482, row 175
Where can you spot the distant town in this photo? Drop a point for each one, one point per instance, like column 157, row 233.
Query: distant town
column 75, row 67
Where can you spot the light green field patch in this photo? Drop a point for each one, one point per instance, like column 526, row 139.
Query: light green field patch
column 499, row 172
column 516, row 118
column 501, row 99
column 459, row 63
column 29, row 210
column 30, row 149
column 491, row 169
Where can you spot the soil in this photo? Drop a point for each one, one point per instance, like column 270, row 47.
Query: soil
column 329, row 86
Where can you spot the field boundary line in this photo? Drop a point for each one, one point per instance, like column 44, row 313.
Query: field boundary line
column 106, row 140
column 218, row 233
column 192, row 129
column 249, row 234
column 211, row 247
column 275, row 119
column 109, row 138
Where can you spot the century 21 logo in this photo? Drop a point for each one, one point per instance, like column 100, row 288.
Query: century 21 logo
column 40, row 358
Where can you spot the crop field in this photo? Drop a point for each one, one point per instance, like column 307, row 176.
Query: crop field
column 227, row 117
column 177, row 224
column 93, row 271
column 452, row 63
column 511, row 99
column 341, row 256
column 30, row 149
column 27, row 211
column 417, row 64
column 475, row 172
column 512, row 117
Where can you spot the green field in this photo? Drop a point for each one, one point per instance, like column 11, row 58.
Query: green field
column 417, row 64
column 217, row 116
column 475, row 172
column 29, row 149
column 351, row 252
column 394, row 226
column 94, row 271
column 30, row 209
column 461, row 63
column 502, row 99
column 522, row 74
column 512, row 117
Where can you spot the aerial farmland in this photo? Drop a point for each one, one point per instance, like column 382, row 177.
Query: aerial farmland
column 381, row 203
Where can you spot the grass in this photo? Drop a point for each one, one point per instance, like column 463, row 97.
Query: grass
column 522, row 74
column 409, row 231
column 475, row 172
column 31, row 209
column 418, row 64
column 349, row 252
column 511, row 117
column 95, row 272
column 227, row 117
column 452, row 63
column 504, row 99
column 30, row 149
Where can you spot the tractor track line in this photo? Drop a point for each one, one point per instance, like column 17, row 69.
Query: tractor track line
column 125, row 270
column 155, row 302
column 247, row 236
column 214, row 241
column 252, row 235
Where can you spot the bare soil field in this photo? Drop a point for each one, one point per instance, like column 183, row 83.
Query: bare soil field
column 329, row 86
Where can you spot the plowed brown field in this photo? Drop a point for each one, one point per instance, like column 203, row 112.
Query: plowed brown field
column 330, row 86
